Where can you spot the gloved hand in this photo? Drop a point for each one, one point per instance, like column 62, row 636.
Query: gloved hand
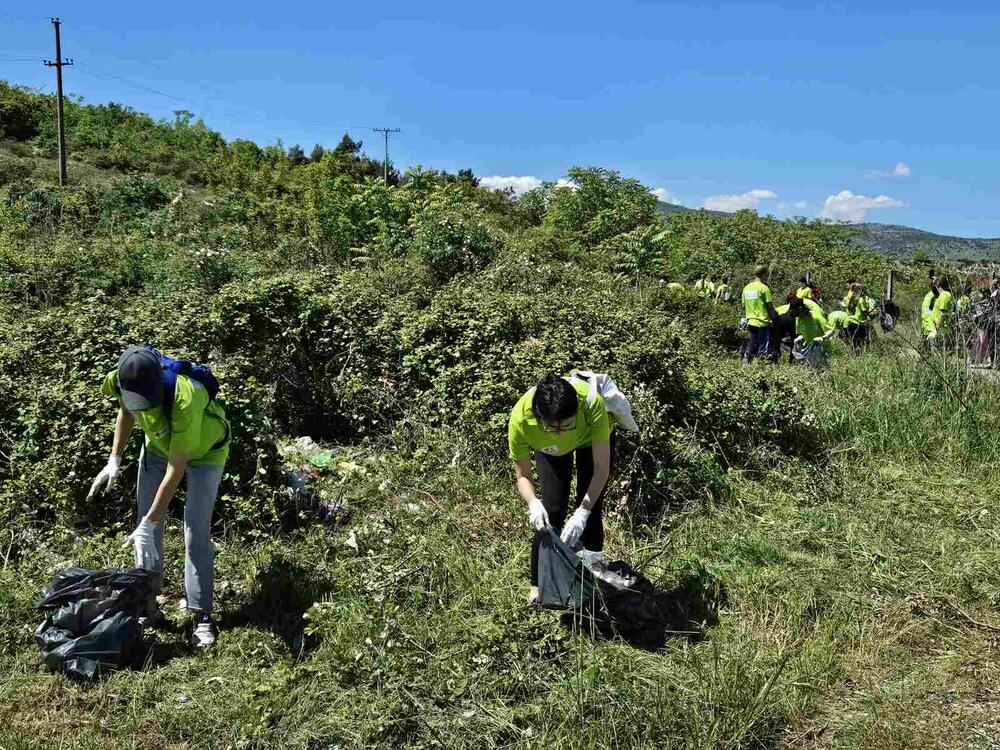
column 574, row 527
column 819, row 339
column 107, row 476
column 147, row 556
column 539, row 517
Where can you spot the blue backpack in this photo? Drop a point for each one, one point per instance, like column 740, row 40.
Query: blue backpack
column 174, row 367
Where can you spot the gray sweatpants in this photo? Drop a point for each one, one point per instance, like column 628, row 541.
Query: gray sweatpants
column 202, row 490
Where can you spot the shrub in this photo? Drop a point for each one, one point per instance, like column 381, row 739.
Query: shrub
column 453, row 238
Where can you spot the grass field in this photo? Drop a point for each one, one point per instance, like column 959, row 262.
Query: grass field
column 857, row 602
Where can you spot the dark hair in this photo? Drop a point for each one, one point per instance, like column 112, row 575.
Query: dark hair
column 804, row 281
column 797, row 307
column 944, row 283
column 554, row 400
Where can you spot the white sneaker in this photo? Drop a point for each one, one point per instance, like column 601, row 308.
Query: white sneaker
column 204, row 634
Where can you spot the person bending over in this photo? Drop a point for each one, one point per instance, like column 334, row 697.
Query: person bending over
column 556, row 427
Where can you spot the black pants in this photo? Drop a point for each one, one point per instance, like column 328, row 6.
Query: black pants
column 859, row 334
column 555, row 475
column 760, row 337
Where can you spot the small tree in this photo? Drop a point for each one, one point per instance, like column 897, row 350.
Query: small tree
column 297, row 156
column 317, row 154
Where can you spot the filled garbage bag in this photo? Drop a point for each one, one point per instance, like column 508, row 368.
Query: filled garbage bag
column 91, row 620
column 563, row 582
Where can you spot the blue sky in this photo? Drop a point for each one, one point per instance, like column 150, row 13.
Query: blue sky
column 879, row 110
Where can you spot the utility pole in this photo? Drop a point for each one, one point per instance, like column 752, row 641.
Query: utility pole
column 58, row 65
column 385, row 132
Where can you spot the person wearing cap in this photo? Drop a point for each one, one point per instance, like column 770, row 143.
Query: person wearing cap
column 193, row 442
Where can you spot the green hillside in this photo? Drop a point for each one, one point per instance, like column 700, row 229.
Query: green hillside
column 906, row 242
column 826, row 543
column 893, row 240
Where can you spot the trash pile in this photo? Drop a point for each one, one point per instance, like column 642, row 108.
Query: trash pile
column 305, row 463
column 91, row 623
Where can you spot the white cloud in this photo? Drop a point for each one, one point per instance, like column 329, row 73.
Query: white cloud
column 520, row 185
column 662, row 194
column 902, row 169
column 846, row 206
column 730, row 203
column 564, row 183
column 799, row 205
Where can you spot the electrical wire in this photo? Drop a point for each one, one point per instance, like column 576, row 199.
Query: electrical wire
column 111, row 76
column 239, row 112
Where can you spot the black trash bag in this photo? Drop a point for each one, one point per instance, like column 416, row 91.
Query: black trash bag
column 563, row 582
column 633, row 608
column 91, row 620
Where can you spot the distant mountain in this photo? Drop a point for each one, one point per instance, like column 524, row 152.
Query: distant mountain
column 676, row 208
column 902, row 242
column 896, row 241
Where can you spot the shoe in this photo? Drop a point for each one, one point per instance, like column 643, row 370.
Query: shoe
column 203, row 635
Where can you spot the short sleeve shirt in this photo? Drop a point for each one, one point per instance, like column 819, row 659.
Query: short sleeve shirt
column 811, row 326
column 756, row 296
column 197, row 428
column 526, row 435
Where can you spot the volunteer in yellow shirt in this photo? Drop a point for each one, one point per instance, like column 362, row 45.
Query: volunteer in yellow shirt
column 555, row 425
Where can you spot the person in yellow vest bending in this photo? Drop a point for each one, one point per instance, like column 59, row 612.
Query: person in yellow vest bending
column 557, row 426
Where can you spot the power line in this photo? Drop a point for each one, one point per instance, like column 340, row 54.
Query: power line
column 100, row 74
column 24, row 18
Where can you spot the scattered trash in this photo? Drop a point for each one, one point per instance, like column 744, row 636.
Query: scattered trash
column 301, row 479
column 352, row 541
column 321, row 459
column 91, row 623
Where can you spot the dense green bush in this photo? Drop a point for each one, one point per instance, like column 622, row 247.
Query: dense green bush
column 453, row 237
column 60, row 427
column 21, row 112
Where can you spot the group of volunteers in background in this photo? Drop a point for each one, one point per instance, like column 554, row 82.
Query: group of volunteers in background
column 968, row 321
column 561, row 431
column 799, row 323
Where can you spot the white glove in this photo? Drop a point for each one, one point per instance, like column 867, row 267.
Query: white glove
column 574, row 527
column 107, row 476
column 147, row 556
column 819, row 339
column 539, row 517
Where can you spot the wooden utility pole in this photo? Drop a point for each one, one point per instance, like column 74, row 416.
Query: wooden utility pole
column 58, row 65
column 385, row 132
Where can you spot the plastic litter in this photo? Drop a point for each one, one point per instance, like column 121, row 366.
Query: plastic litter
column 307, row 499
column 91, row 623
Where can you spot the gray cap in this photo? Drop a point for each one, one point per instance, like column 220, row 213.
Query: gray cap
column 140, row 379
